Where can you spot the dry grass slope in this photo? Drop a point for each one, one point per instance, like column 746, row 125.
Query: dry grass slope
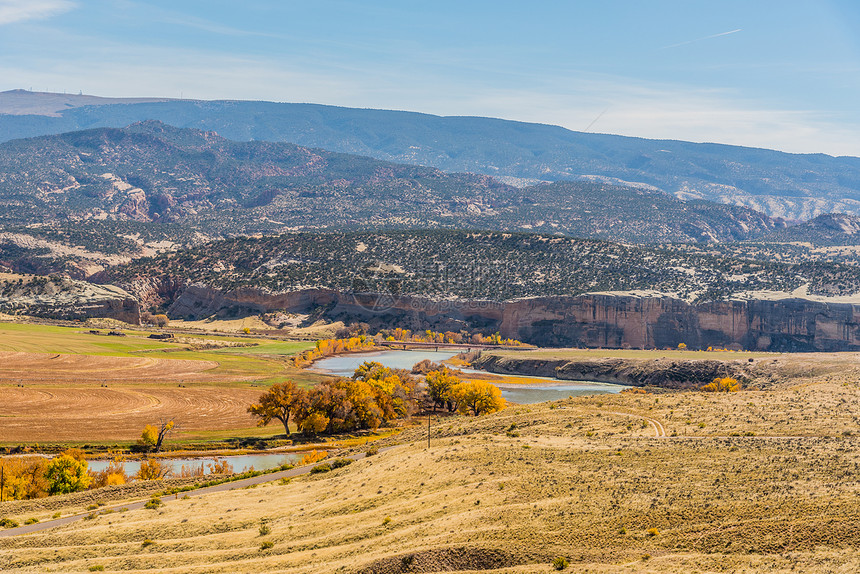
column 584, row 478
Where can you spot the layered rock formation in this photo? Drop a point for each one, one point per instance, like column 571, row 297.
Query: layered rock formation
column 610, row 320
column 63, row 298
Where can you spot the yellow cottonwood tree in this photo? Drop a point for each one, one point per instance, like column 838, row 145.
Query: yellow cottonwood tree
column 722, row 385
column 280, row 402
column 439, row 385
column 153, row 436
column 152, row 469
column 477, row 397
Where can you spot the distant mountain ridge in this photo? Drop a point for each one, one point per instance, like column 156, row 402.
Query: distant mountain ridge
column 791, row 186
column 23, row 102
column 155, row 173
column 830, row 229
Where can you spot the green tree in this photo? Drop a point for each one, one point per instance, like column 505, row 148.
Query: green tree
column 65, row 474
column 280, row 402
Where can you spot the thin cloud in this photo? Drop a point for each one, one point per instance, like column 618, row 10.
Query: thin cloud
column 12, row 11
column 660, row 112
column 215, row 28
column 702, row 38
column 599, row 102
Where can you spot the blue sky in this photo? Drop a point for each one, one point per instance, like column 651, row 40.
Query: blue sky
column 783, row 75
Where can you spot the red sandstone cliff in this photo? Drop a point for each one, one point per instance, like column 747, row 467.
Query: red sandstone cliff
column 590, row 320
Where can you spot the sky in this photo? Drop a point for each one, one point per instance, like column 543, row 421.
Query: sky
column 777, row 74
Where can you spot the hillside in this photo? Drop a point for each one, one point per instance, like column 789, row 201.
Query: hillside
column 792, row 186
column 62, row 298
column 478, row 265
column 675, row 482
column 153, row 173
column 27, row 103
column 830, row 229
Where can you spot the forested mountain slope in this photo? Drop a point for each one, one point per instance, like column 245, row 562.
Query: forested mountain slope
column 476, row 265
column 154, row 173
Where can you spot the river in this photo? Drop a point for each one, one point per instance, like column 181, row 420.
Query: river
column 240, row 463
column 345, row 365
column 553, row 389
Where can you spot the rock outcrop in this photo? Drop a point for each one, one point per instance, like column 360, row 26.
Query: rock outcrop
column 58, row 297
column 610, row 320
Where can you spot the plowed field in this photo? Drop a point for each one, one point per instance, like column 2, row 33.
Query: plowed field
column 48, row 368
column 84, row 387
column 32, row 414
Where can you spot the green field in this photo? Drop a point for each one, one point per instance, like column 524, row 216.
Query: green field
column 30, row 338
column 261, row 361
column 268, row 347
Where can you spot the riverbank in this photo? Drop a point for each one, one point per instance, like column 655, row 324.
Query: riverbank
column 514, row 388
column 126, row 498
column 667, row 369
column 663, row 373
column 717, row 487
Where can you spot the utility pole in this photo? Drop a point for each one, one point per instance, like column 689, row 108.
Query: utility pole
column 428, row 428
column 2, row 481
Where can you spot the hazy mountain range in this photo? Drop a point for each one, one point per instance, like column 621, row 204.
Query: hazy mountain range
column 790, row 186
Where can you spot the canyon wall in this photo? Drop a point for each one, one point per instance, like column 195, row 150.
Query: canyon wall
column 610, row 320
column 644, row 322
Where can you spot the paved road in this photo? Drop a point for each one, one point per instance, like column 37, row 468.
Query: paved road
column 299, row 470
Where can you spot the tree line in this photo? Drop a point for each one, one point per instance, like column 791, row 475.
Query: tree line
column 36, row 476
column 373, row 396
column 356, row 338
